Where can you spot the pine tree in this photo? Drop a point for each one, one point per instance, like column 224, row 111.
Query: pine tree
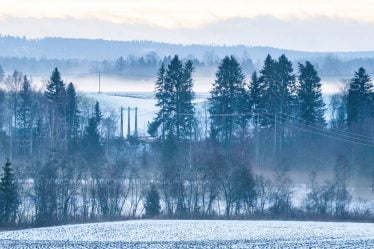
column 268, row 80
column 91, row 141
column 311, row 105
column 173, row 81
column 279, row 84
column 152, row 202
column 9, row 199
column 256, row 95
column 25, row 105
column 56, row 97
column 359, row 101
column 228, row 97
column 55, row 91
column 174, row 98
column 24, row 114
column 286, row 84
column 97, row 113
column 72, row 115
column 185, row 97
column 161, row 101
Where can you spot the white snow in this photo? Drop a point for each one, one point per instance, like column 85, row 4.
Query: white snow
column 144, row 101
column 198, row 234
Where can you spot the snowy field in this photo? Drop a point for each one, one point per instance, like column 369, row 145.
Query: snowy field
column 159, row 234
column 144, row 101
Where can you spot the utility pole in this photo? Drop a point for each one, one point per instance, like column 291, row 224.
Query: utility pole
column 121, row 130
column 99, row 82
column 136, row 122
column 128, row 122
column 11, row 139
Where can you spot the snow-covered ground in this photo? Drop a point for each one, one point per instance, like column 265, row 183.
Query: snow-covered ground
column 144, row 101
column 195, row 234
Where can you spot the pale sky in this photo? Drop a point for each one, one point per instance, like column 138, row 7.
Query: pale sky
column 187, row 21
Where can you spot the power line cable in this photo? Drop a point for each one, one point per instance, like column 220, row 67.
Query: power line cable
column 319, row 133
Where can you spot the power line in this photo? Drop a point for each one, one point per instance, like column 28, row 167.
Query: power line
column 367, row 138
column 319, row 133
column 316, row 130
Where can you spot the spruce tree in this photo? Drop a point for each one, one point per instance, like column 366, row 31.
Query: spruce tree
column 161, row 102
column 91, row 141
column 72, row 115
column 286, row 85
column 25, row 105
column 9, row 199
column 24, row 113
column 268, row 80
column 174, row 97
column 256, row 96
column 185, row 97
column 359, row 100
column 173, row 81
column 97, row 113
column 309, row 95
column 152, row 202
column 55, row 91
column 279, row 83
column 228, row 97
column 56, row 97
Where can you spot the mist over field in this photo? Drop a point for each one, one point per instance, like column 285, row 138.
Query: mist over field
column 186, row 124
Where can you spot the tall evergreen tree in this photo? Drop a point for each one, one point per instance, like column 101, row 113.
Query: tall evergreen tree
column 286, row 85
column 91, row 141
column 279, row 81
column 359, row 100
column 9, row 199
column 56, row 108
column 97, row 113
column 185, row 96
column 268, row 80
column 55, row 91
column 24, row 114
column 72, row 115
column 162, row 98
column 309, row 95
column 256, row 95
column 152, row 202
column 174, row 97
column 228, row 100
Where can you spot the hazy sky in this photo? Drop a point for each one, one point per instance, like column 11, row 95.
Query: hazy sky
column 296, row 24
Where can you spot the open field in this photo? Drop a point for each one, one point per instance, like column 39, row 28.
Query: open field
column 195, row 234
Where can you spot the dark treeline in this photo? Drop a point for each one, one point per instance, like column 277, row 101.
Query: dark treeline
column 145, row 66
column 65, row 160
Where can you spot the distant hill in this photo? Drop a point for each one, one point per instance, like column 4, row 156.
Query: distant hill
column 97, row 49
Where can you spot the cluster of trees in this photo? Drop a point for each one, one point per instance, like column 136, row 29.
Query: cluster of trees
column 70, row 163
